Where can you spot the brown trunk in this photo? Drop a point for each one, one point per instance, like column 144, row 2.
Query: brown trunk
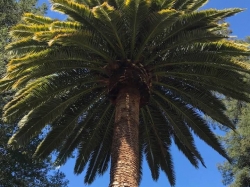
column 125, row 147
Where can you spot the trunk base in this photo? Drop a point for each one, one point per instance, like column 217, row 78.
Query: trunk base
column 125, row 147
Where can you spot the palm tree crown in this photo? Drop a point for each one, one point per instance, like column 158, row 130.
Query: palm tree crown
column 67, row 74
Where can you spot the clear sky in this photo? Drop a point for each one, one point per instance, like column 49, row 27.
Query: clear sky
column 186, row 174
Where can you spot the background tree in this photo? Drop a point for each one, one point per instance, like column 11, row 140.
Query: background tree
column 237, row 174
column 11, row 12
column 17, row 168
column 123, row 78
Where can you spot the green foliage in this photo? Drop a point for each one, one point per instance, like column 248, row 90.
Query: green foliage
column 17, row 167
column 68, row 74
column 11, row 12
column 237, row 173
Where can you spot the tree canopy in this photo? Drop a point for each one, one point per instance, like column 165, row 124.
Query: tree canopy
column 163, row 63
column 11, row 12
column 237, row 173
column 17, row 167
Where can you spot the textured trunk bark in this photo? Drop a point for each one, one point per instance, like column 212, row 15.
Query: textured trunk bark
column 125, row 146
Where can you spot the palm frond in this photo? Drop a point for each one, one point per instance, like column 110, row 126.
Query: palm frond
column 195, row 122
column 86, row 148
column 156, row 24
column 180, row 130
column 104, row 146
column 25, row 46
column 84, row 40
column 198, row 4
column 22, row 31
column 42, row 90
column 182, row 40
column 199, row 98
column 72, row 140
column 215, row 86
column 48, row 61
column 32, row 123
column 58, row 25
column 164, row 143
column 110, row 19
column 118, row 4
column 151, row 157
column 195, row 21
column 189, row 5
column 206, row 58
column 136, row 12
column 79, row 12
column 64, row 126
column 35, row 19
column 162, row 4
column 47, row 36
column 208, row 74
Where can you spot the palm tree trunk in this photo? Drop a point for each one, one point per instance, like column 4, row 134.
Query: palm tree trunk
column 125, row 147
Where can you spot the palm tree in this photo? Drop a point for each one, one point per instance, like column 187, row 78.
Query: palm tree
column 121, row 79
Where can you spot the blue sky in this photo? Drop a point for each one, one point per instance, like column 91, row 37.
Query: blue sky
column 186, row 174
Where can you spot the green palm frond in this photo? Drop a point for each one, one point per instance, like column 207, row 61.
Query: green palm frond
column 162, row 4
column 58, row 25
column 157, row 24
column 118, row 4
column 34, row 19
column 199, row 20
column 181, row 132
column 183, row 5
column 93, row 140
column 149, row 150
column 47, row 36
column 189, row 5
column 83, row 15
column 73, row 139
column 78, row 12
column 136, row 12
column 163, row 141
column 182, row 40
column 32, row 123
column 65, row 125
column 25, row 46
column 104, row 145
column 48, row 63
column 83, row 40
column 111, row 19
column 213, row 85
column 196, row 5
column 22, row 31
column 206, row 73
column 194, row 121
column 199, row 98
column 206, row 58
column 28, row 58
column 42, row 90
